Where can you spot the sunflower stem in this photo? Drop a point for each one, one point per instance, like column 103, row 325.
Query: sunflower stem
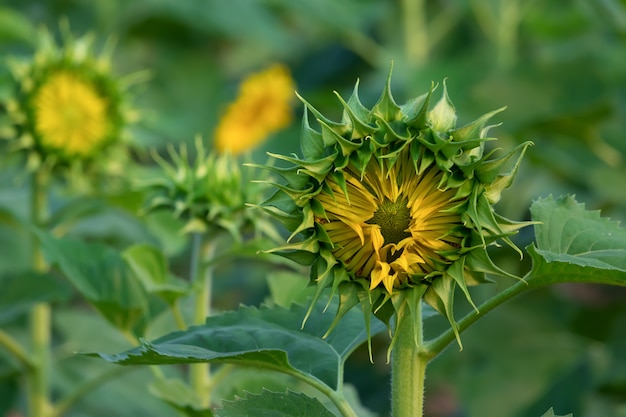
column 40, row 315
column 415, row 31
column 408, row 366
column 202, row 277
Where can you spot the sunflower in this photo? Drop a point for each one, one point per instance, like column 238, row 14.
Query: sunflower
column 70, row 115
column 394, row 203
column 262, row 108
column 67, row 108
column 392, row 225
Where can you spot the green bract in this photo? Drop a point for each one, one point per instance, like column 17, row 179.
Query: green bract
column 393, row 204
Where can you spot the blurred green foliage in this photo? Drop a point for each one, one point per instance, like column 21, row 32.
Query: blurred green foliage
column 560, row 67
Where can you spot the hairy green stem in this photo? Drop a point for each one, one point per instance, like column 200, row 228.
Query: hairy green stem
column 408, row 366
column 202, row 277
column 40, row 315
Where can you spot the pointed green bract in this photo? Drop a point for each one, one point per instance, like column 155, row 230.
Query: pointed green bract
column 391, row 138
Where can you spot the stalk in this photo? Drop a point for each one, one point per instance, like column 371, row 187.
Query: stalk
column 415, row 31
column 40, row 315
column 202, row 278
column 408, row 366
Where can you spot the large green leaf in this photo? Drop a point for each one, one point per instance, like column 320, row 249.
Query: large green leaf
column 274, row 404
column 575, row 245
column 100, row 274
column 270, row 337
column 21, row 290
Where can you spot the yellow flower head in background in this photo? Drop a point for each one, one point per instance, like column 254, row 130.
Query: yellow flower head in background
column 262, row 108
column 393, row 205
column 70, row 115
column 68, row 107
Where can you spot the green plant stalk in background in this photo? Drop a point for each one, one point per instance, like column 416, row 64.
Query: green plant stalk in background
column 40, row 315
column 202, row 279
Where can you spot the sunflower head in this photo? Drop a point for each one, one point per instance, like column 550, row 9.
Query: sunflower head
column 67, row 107
column 262, row 108
column 208, row 190
column 393, row 204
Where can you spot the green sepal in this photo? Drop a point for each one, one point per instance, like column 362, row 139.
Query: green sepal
column 456, row 272
column 503, row 181
column 348, row 298
column 386, row 107
column 440, row 296
column 420, row 120
column 474, row 129
column 360, row 128
column 443, row 116
column 304, row 252
column 478, row 260
column 341, row 128
column 316, row 169
column 290, row 174
column 331, row 136
column 410, row 299
column 311, row 141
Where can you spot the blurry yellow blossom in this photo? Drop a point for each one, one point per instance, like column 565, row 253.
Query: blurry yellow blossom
column 262, row 108
column 68, row 110
column 70, row 115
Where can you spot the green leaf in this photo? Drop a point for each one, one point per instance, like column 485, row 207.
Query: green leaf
column 270, row 337
column 274, row 404
column 20, row 291
column 150, row 267
column 576, row 245
column 550, row 413
column 100, row 274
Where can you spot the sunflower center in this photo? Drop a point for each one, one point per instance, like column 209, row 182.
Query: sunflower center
column 71, row 114
column 394, row 218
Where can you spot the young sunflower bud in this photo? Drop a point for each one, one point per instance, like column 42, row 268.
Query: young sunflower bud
column 393, row 204
column 210, row 192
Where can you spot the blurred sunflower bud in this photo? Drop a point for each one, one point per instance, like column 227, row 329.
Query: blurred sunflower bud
column 208, row 191
column 262, row 108
column 68, row 108
column 393, row 204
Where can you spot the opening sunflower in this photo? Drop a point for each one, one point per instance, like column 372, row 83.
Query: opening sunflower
column 394, row 203
column 393, row 226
